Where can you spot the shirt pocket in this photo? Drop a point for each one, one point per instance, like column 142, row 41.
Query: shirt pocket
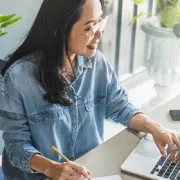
column 52, row 115
column 96, row 101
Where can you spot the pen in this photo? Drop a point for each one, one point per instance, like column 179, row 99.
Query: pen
column 64, row 157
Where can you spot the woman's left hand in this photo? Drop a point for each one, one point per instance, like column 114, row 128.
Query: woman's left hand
column 163, row 137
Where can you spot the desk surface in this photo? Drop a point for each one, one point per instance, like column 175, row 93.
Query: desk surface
column 162, row 116
column 107, row 158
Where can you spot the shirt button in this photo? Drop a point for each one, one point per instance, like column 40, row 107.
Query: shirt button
column 75, row 127
column 72, row 143
column 74, row 107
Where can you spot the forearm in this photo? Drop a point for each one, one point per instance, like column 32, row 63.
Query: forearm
column 141, row 122
column 19, row 153
column 42, row 164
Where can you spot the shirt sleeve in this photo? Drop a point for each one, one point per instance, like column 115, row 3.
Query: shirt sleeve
column 118, row 106
column 14, row 124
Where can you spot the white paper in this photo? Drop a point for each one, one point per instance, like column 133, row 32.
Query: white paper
column 115, row 177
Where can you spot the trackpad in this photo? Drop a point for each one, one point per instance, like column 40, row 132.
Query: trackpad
column 147, row 148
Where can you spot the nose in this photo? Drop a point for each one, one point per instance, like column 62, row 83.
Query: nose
column 98, row 35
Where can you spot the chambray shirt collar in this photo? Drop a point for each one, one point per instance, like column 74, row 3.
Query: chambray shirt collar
column 84, row 62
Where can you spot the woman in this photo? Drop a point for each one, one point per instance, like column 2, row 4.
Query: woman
column 58, row 89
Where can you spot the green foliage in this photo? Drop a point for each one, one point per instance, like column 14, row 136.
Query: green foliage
column 6, row 21
column 135, row 18
column 169, row 12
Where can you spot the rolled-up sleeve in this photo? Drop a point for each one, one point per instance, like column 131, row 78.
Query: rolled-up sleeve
column 118, row 106
column 16, row 132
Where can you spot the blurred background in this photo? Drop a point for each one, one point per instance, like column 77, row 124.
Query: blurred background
column 127, row 48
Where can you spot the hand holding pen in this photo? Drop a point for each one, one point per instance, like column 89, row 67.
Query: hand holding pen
column 68, row 170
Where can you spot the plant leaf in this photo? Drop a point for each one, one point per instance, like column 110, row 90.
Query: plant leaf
column 3, row 33
column 135, row 18
column 138, row 2
column 11, row 22
column 6, row 18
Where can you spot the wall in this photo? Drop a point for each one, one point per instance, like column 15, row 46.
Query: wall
column 26, row 8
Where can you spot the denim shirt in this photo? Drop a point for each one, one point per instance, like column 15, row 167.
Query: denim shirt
column 32, row 125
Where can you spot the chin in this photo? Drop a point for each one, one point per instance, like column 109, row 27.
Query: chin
column 87, row 53
column 90, row 53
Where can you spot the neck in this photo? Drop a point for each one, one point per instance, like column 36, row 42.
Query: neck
column 69, row 63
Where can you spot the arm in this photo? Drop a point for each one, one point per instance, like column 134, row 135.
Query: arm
column 18, row 143
column 42, row 164
column 141, row 122
column 57, row 170
column 16, row 133
column 162, row 136
column 120, row 109
column 118, row 106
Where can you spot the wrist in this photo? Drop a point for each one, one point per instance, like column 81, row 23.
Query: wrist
column 43, row 164
column 152, row 126
column 48, row 171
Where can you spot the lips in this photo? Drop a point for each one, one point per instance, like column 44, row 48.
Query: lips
column 92, row 46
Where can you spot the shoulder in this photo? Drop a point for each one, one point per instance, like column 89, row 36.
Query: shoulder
column 19, row 72
column 21, row 68
column 101, row 64
column 100, row 59
column 24, row 65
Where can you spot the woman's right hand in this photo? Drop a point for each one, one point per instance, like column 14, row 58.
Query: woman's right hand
column 67, row 171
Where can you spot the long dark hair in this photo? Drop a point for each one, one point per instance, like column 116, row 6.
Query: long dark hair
column 48, row 39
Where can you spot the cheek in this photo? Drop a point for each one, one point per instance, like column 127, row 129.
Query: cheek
column 78, row 44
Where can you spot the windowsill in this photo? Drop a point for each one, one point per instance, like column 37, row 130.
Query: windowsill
column 141, row 95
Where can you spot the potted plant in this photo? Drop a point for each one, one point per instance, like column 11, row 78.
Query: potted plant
column 163, row 31
column 6, row 21
column 169, row 12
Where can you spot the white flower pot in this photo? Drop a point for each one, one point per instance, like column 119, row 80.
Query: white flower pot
column 164, row 62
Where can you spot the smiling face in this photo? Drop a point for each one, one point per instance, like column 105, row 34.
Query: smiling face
column 85, row 35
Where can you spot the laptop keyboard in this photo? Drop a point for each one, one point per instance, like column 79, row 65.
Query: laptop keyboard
column 167, row 169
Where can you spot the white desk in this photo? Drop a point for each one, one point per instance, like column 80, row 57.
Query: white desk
column 107, row 158
column 162, row 116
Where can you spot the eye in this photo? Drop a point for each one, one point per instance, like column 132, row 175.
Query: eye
column 88, row 29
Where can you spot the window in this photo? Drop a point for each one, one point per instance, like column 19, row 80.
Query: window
column 126, row 47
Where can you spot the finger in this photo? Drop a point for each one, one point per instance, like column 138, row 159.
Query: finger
column 162, row 150
column 81, row 177
column 172, row 148
column 76, row 175
column 79, row 169
column 178, row 149
column 86, row 170
column 67, row 170
column 69, row 177
column 177, row 142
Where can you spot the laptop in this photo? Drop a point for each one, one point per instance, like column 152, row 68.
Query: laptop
column 146, row 161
